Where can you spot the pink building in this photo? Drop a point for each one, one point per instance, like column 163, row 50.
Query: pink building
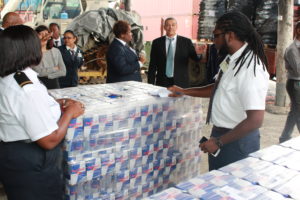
column 153, row 12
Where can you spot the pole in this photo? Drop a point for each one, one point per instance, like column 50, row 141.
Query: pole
column 284, row 39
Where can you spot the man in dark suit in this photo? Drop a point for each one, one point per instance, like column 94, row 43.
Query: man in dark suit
column 57, row 39
column 11, row 19
column 123, row 64
column 169, row 58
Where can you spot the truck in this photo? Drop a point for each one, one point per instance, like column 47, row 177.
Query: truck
column 62, row 12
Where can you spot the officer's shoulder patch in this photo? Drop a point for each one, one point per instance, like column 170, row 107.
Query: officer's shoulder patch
column 22, row 79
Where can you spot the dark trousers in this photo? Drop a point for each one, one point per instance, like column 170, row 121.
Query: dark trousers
column 233, row 151
column 169, row 82
column 293, row 89
column 29, row 172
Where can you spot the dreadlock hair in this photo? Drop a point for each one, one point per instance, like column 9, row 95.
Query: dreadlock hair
column 239, row 24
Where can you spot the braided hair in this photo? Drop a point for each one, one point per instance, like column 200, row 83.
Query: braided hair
column 239, row 24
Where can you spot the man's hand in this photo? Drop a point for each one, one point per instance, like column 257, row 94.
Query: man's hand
column 209, row 146
column 176, row 91
column 142, row 58
column 200, row 48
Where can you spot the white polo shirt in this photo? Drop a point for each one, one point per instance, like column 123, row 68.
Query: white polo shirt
column 237, row 94
column 28, row 112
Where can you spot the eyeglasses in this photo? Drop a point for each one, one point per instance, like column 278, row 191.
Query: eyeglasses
column 215, row 36
column 68, row 38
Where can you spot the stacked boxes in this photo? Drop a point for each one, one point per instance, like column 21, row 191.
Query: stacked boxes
column 129, row 144
column 272, row 173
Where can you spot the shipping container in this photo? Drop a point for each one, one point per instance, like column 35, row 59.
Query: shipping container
column 153, row 12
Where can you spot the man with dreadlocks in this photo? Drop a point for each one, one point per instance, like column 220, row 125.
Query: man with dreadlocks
column 237, row 100
column 292, row 65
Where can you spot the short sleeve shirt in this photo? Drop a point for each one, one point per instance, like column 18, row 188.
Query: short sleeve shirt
column 26, row 112
column 238, row 93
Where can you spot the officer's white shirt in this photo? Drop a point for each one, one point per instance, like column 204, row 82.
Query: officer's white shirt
column 237, row 94
column 28, row 112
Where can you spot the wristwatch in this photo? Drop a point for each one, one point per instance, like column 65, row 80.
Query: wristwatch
column 218, row 142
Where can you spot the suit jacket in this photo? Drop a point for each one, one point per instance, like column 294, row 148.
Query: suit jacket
column 158, row 59
column 122, row 64
column 72, row 66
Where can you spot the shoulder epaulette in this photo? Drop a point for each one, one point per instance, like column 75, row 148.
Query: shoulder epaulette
column 22, row 79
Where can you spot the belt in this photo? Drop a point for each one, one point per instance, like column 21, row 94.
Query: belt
column 19, row 141
column 221, row 128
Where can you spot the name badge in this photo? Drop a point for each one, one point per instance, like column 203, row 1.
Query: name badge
column 224, row 65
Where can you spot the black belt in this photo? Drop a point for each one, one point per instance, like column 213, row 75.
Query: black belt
column 19, row 141
column 221, row 128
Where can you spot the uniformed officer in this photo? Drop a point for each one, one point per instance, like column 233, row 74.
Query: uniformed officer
column 32, row 123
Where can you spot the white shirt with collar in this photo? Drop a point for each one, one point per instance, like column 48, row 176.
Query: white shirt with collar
column 26, row 112
column 74, row 49
column 57, row 41
column 237, row 94
column 173, row 46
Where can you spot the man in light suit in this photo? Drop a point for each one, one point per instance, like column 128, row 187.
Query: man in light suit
column 169, row 68
column 123, row 64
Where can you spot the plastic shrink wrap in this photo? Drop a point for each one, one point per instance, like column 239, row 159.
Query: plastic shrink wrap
column 129, row 144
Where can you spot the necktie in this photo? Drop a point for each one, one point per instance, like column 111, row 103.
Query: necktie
column 56, row 43
column 214, row 92
column 170, row 59
column 72, row 54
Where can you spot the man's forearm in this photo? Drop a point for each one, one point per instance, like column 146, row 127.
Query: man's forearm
column 205, row 91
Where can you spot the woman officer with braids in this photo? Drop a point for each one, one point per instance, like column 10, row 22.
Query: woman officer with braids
column 237, row 100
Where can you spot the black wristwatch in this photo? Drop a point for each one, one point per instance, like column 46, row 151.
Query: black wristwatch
column 218, row 142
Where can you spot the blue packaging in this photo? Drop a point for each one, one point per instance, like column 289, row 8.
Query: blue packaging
column 122, row 160
column 123, row 124
column 76, row 122
column 93, row 168
column 145, row 110
column 147, row 177
column 136, row 192
column 107, row 163
column 135, row 172
column 93, row 136
column 77, row 172
column 133, row 113
column 95, row 186
column 147, row 120
column 135, row 158
column 121, row 139
column 170, row 125
column 159, row 145
column 147, row 150
column 135, row 182
column 147, row 159
column 122, row 195
column 105, row 141
column 122, row 180
column 135, row 139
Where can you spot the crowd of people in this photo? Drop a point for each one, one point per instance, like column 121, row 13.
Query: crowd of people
column 33, row 124
column 61, row 56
